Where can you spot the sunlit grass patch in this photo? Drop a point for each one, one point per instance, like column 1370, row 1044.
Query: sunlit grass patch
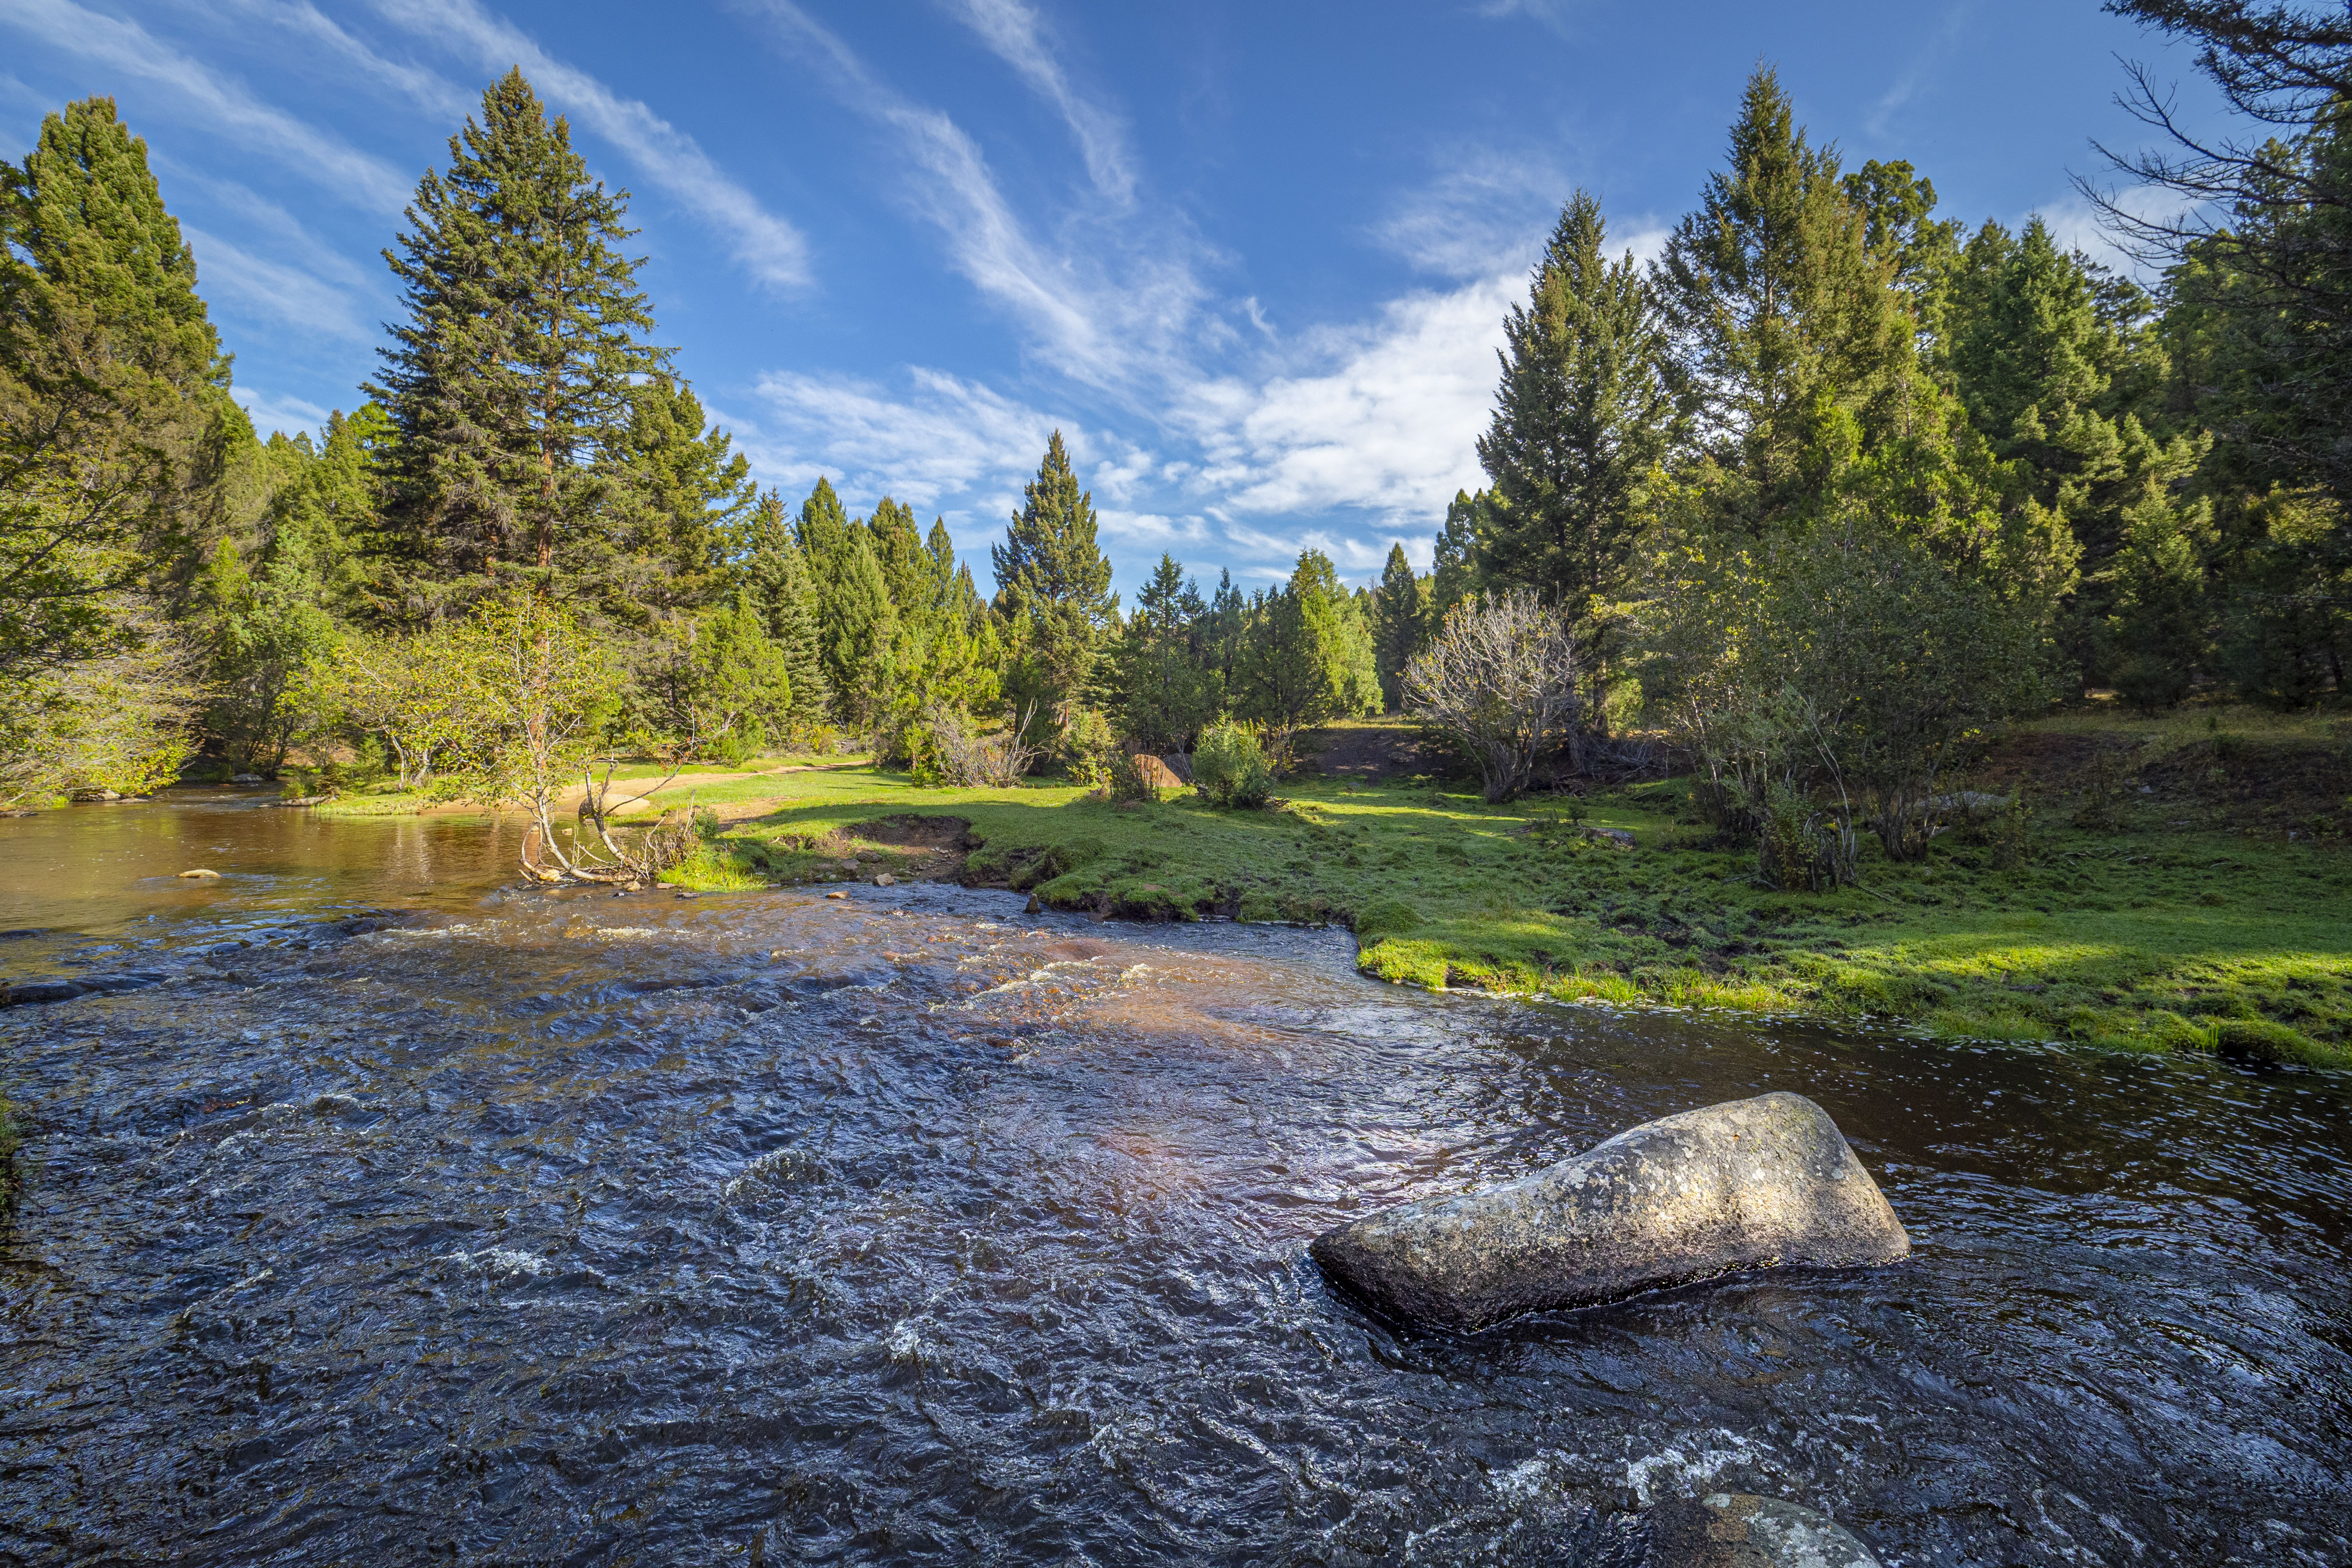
column 2135, row 941
column 711, row 869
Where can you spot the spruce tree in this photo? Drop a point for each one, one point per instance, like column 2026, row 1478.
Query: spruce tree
column 115, row 424
column 1780, row 312
column 688, row 488
column 1165, row 695
column 1458, row 571
column 917, row 587
column 1581, row 415
column 2056, row 371
column 1053, row 583
column 857, row 624
column 511, row 381
column 1399, row 619
column 1308, row 654
column 774, row 578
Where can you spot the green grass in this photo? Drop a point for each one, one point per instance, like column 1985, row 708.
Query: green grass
column 2236, row 939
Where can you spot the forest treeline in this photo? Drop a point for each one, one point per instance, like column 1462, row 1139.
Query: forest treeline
column 1828, row 489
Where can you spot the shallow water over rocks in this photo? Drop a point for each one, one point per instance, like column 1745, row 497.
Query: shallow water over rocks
column 764, row 1227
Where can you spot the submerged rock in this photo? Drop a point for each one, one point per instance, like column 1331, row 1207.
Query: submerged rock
column 1749, row 1183
column 1736, row 1529
column 24, row 993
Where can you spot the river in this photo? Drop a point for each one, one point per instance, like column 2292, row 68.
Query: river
column 383, row 1211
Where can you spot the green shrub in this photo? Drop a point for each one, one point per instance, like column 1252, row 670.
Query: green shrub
column 1088, row 748
column 1229, row 767
column 1127, row 779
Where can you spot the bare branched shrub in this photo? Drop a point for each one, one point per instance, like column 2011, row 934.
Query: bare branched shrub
column 957, row 756
column 1500, row 679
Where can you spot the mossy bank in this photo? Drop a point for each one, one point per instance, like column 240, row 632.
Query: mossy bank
column 2134, row 898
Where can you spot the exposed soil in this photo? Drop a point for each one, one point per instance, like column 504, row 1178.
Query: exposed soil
column 943, row 843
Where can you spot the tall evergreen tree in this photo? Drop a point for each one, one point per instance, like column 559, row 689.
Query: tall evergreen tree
column 1222, row 631
column 1309, row 655
column 689, row 487
column 2058, row 372
column 773, row 576
column 857, row 624
column 1780, row 309
column 1899, row 228
column 1053, row 586
column 1165, row 692
column 1581, row 415
column 115, row 424
column 511, row 381
column 1458, row 573
column 324, row 505
column 917, row 586
column 1400, row 621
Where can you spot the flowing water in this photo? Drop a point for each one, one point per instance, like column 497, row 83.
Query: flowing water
column 515, row 1226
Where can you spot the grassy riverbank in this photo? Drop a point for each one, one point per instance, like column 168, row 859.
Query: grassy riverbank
column 2169, row 887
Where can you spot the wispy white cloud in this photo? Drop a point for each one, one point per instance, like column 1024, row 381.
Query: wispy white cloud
column 1386, row 427
column 1012, row 30
column 1554, row 15
column 2077, row 225
column 290, row 415
column 257, row 286
column 211, row 99
column 1916, row 76
column 1266, row 442
column 428, row 90
column 1105, row 313
column 1486, row 213
column 767, row 247
column 934, row 441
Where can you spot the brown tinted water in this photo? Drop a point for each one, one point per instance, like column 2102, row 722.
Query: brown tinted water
column 768, row 1228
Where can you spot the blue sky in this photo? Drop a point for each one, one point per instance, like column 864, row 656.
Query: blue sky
column 1251, row 259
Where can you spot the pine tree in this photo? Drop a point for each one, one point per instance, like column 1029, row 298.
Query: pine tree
column 2055, row 371
column 917, row 584
column 1222, row 631
column 324, row 507
column 773, row 576
column 1165, row 694
column 857, row 624
column 1780, row 310
column 1308, row 654
column 512, row 382
column 1400, row 621
column 1581, row 415
column 1458, row 571
column 1896, row 205
column 689, row 487
column 115, row 424
column 1053, row 584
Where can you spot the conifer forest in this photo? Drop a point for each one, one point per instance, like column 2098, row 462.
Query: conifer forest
column 1344, row 784
column 1807, row 513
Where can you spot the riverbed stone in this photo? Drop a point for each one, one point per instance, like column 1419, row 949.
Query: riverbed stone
column 1749, row 1183
column 1739, row 1530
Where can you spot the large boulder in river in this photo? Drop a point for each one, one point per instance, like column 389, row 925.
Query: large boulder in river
column 1749, row 1183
